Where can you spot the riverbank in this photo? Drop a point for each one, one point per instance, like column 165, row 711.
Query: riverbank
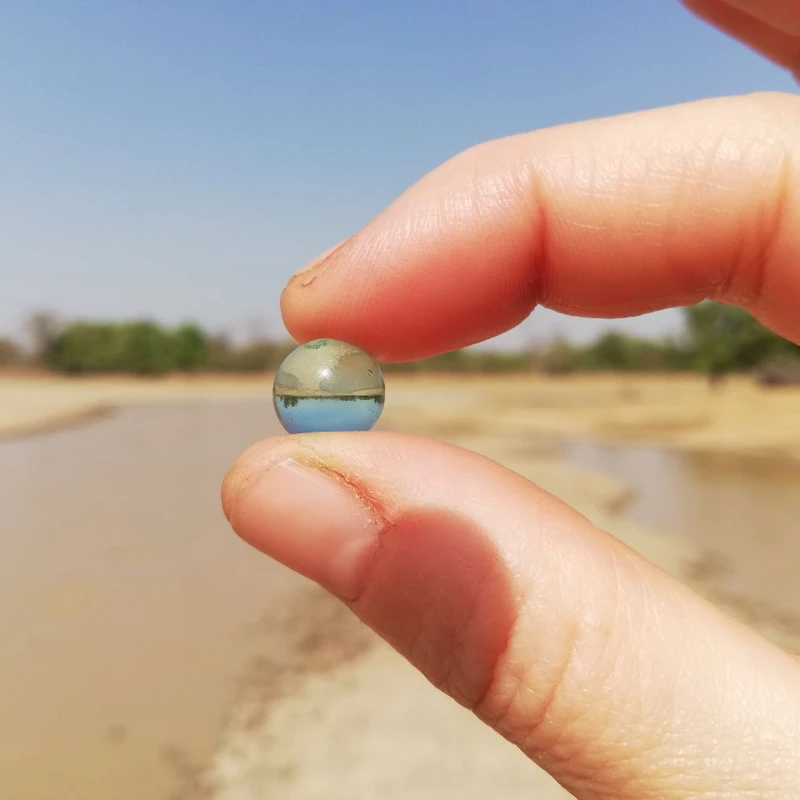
column 680, row 412
column 33, row 404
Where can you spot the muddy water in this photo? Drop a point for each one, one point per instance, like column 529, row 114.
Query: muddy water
column 743, row 512
column 127, row 608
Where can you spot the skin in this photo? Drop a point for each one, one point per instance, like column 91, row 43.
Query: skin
column 615, row 678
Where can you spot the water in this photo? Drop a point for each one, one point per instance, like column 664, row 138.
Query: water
column 742, row 512
column 128, row 608
column 332, row 413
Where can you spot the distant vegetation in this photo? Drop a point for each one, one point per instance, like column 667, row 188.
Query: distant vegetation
column 716, row 340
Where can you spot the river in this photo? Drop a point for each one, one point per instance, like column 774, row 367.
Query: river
column 742, row 512
column 128, row 607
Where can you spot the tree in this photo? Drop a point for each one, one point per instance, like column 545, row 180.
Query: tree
column 43, row 328
column 559, row 357
column 191, row 348
column 260, row 355
column 10, row 353
column 727, row 339
column 220, row 352
column 140, row 347
column 613, row 351
column 147, row 349
column 85, row 347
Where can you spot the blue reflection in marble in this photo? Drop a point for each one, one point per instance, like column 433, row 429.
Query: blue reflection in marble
column 310, row 414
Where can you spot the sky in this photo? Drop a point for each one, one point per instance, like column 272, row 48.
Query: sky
column 180, row 159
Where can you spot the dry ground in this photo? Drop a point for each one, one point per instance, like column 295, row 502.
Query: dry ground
column 679, row 411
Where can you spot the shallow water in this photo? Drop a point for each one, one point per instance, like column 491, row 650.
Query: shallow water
column 128, row 608
column 742, row 512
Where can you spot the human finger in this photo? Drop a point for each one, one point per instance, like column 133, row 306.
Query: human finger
column 754, row 24
column 615, row 678
column 781, row 14
column 614, row 217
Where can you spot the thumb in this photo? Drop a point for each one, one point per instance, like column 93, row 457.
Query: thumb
column 616, row 679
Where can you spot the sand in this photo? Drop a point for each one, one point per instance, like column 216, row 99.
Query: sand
column 340, row 715
column 681, row 412
column 32, row 404
column 676, row 411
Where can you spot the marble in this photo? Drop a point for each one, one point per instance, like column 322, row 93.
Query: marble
column 328, row 385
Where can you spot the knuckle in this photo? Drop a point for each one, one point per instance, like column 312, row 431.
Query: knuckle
column 533, row 705
column 522, row 695
column 541, row 701
column 768, row 150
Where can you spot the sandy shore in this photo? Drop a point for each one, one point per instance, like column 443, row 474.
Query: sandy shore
column 675, row 411
column 330, row 711
column 42, row 403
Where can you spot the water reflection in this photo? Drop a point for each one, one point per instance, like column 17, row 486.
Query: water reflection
column 743, row 511
column 328, row 413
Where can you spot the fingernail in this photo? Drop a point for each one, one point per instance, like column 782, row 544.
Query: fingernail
column 313, row 523
column 318, row 267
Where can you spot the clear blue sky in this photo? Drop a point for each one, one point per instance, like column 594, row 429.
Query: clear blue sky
column 181, row 158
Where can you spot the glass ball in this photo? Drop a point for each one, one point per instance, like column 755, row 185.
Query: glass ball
column 328, row 385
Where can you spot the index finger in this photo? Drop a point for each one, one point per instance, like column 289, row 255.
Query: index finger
column 770, row 28
column 610, row 218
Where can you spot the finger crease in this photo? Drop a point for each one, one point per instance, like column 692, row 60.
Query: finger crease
column 500, row 670
column 776, row 217
column 539, row 259
column 745, row 283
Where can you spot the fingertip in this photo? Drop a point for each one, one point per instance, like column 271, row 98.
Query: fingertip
column 408, row 298
column 246, row 468
column 311, row 520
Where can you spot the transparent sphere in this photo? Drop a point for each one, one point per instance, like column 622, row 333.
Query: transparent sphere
column 328, row 385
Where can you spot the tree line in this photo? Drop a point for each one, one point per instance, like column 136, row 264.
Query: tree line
column 716, row 340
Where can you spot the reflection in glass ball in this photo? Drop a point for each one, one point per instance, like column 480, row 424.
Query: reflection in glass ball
column 328, row 385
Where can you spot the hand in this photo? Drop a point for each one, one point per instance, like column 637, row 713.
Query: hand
column 772, row 27
column 612, row 676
